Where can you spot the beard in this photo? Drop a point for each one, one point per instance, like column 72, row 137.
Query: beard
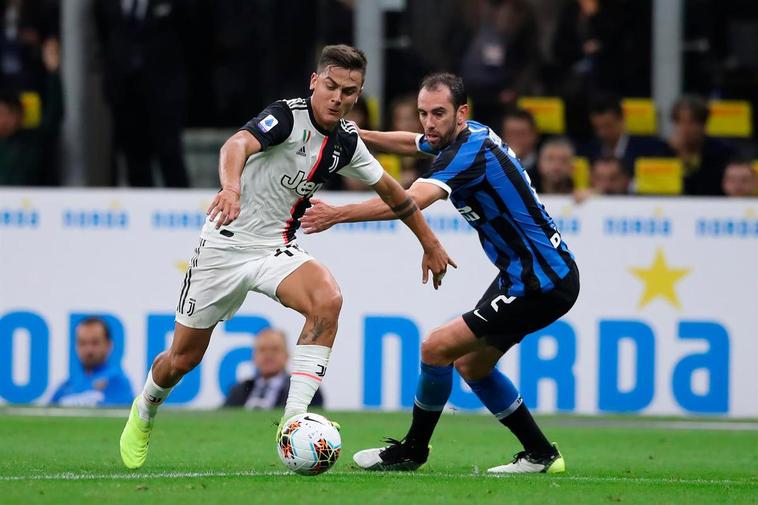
column 444, row 137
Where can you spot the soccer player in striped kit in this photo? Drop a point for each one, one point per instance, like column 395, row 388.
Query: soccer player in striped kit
column 537, row 283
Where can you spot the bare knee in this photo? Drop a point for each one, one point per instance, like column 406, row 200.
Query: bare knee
column 183, row 363
column 327, row 305
column 433, row 350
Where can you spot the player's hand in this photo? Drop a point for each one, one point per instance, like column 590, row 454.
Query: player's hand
column 318, row 217
column 436, row 260
column 225, row 206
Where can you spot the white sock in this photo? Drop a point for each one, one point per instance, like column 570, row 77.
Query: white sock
column 308, row 368
column 151, row 398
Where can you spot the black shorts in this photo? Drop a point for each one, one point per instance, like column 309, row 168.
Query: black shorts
column 503, row 320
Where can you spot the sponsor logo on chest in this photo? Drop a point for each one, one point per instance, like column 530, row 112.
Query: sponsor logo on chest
column 300, row 184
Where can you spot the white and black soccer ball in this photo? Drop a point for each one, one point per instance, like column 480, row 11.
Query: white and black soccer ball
column 309, row 444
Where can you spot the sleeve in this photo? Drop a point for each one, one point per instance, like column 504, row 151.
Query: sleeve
column 424, row 146
column 363, row 166
column 272, row 126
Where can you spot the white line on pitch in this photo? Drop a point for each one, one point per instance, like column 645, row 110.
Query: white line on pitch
column 70, row 476
column 568, row 422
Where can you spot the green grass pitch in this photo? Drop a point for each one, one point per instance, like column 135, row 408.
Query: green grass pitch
column 229, row 458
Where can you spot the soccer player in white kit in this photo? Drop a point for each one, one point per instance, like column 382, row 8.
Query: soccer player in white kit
column 269, row 170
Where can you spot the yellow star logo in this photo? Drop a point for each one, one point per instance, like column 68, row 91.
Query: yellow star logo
column 659, row 280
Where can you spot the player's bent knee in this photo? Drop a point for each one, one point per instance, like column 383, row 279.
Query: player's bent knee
column 433, row 352
column 184, row 363
column 328, row 304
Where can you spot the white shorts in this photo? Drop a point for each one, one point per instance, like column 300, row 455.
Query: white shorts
column 220, row 276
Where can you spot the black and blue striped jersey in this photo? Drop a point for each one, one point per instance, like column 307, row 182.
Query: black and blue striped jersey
column 493, row 193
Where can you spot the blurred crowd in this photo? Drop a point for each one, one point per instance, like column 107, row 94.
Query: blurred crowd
column 96, row 378
column 169, row 65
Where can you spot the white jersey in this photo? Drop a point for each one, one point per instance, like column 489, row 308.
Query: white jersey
column 297, row 157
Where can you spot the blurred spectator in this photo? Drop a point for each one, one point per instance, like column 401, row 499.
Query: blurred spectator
column 270, row 385
column 26, row 154
column 145, row 84
column 740, row 179
column 704, row 158
column 404, row 117
column 609, row 177
column 98, row 382
column 521, row 135
column 555, row 167
column 589, row 54
column 612, row 140
column 503, row 59
column 25, row 24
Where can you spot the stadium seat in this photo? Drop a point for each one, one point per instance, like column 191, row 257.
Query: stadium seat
column 658, row 176
column 548, row 112
column 730, row 118
column 32, row 105
column 581, row 175
column 640, row 116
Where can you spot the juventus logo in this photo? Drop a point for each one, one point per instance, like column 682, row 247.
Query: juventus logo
column 151, row 399
column 321, row 370
column 335, row 161
column 191, row 306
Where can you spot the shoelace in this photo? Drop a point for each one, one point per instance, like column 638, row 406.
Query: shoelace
column 394, row 446
column 519, row 455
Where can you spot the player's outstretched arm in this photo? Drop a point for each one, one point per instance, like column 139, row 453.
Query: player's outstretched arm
column 234, row 153
column 393, row 203
column 321, row 216
column 403, row 143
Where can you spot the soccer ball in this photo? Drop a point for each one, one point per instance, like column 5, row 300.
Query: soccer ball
column 309, row 444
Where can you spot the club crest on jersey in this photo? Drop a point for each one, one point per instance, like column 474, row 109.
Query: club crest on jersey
column 300, row 185
column 267, row 123
column 335, row 160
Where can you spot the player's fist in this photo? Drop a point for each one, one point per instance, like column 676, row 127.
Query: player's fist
column 225, row 207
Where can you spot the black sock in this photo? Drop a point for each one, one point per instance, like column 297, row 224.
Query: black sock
column 422, row 427
column 522, row 424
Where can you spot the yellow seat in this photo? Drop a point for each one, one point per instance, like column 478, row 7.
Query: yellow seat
column 658, row 176
column 639, row 116
column 549, row 113
column 31, row 103
column 581, row 175
column 730, row 118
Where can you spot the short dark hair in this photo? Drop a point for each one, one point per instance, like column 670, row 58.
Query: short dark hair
column 697, row 106
column 606, row 103
column 451, row 82
column 523, row 115
column 342, row 56
column 96, row 320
